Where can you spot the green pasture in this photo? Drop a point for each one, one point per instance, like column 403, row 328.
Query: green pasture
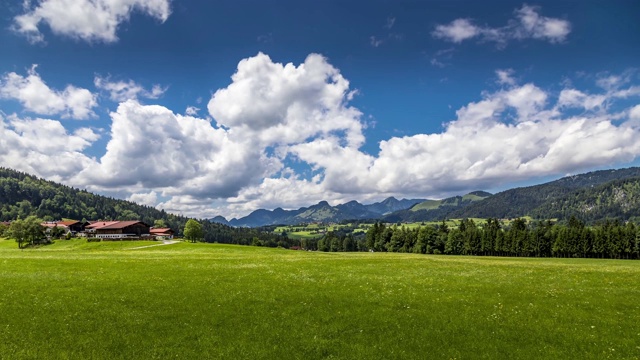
column 79, row 300
column 316, row 230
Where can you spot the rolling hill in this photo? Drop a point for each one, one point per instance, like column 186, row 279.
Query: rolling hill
column 429, row 210
column 533, row 200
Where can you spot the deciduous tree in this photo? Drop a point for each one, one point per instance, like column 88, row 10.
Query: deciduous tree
column 193, row 231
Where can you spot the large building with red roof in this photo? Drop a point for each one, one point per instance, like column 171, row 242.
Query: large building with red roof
column 117, row 229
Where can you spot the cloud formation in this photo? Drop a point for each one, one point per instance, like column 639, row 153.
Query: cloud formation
column 36, row 96
column 121, row 91
column 505, row 77
column 527, row 24
column 176, row 153
column 278, row 104
column 149, row 199
column 44, row 147
column 486, row 145
column 88, row 20
column 273, row 117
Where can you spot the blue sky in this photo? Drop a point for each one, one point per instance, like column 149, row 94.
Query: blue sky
column 210, row 108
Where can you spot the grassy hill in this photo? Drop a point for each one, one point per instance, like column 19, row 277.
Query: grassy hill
column 452, row 202
column 427, row 205
column 430, row 210
column 106, row 301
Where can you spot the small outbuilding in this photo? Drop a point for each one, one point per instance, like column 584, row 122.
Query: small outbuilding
column 69, row 226
column 162, row 233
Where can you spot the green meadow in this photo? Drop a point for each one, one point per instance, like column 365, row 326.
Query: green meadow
column 316, row 231
column 113, row 300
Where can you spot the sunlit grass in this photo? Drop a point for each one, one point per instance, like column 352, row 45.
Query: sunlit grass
column 105, row 300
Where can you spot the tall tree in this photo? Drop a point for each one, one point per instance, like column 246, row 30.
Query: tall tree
column 193, row 231
column 26, row 232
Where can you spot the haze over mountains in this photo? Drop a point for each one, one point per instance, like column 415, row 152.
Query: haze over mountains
column 321, row 212
column 591, row 196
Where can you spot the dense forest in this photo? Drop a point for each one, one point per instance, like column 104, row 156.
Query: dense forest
column 608, row 239
column 518, row 237
column 618, row 199
column 22, row 195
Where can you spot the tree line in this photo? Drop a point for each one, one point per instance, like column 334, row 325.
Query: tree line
column 611, row 239
column 607, row 239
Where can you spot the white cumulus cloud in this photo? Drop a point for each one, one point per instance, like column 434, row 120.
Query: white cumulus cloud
column 149, row 199
column 44, row 147
column 36, row 96
column 284, row 104
column 174, row 152
column 88, row 20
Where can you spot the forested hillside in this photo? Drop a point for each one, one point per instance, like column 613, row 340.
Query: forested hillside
column 539, row 200
column 22, row 195
column 618, row 199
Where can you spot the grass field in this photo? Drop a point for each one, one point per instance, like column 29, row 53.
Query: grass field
column 315, row 231
column 78, row 300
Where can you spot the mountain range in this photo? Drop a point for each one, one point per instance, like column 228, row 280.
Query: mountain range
column 321, row 212
column 591, row 196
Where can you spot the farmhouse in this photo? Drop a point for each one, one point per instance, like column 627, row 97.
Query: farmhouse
column 70, row 226
column 118, row 229
column 162, row 233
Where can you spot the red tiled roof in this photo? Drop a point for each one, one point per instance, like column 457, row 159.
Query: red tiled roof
column 120, row 224
column 100, row 224
column 160, row 230
column 68, row 222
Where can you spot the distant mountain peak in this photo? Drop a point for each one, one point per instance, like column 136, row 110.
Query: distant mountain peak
column 220, row 220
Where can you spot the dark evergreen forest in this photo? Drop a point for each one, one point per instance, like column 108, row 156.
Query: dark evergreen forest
column 607, row 239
